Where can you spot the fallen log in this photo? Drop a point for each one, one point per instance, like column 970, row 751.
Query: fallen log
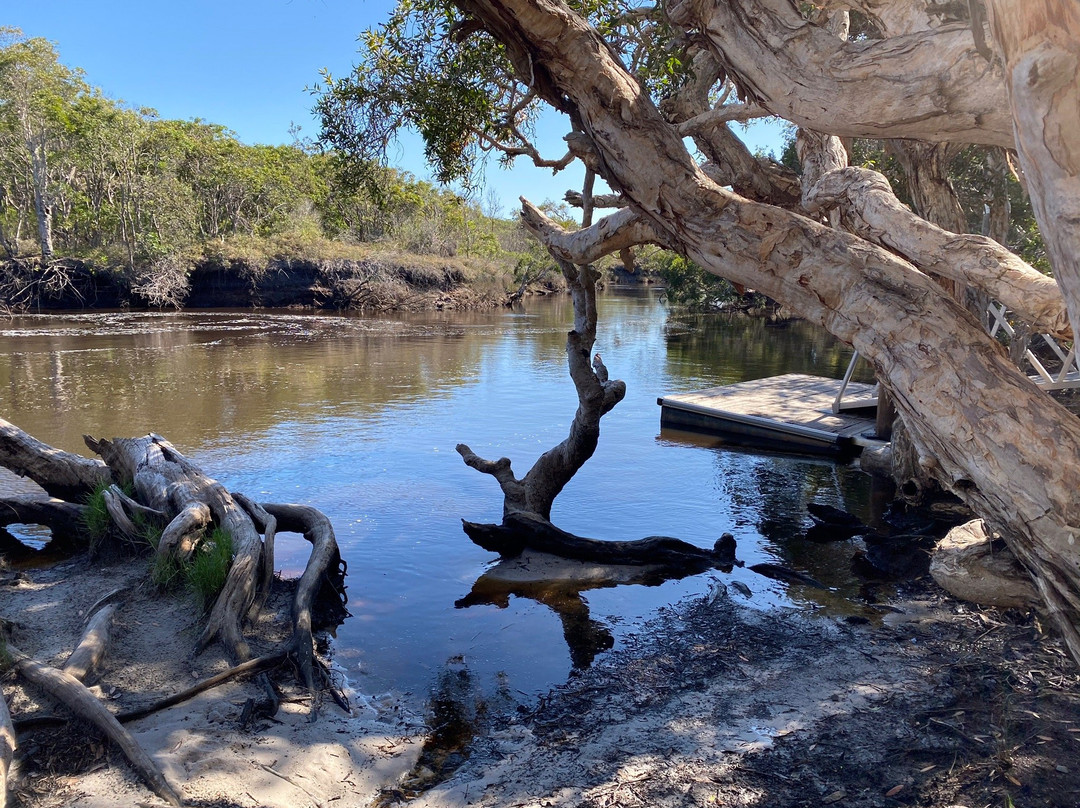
column 63, row 518
column 170, row 490
column 7, row 748
column 73, row 694
column 62, row 474
column 520, row 531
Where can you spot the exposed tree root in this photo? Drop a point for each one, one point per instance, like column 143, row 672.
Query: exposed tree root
column 324, row 557
column 268, row 525
column 7, row 748
column 256, row 665
column 170, row 491
column 90, row 651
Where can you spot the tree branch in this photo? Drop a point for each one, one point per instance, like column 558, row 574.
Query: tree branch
column 718, row 116
column 609, row 235
column 575, row 199
column 871, row 210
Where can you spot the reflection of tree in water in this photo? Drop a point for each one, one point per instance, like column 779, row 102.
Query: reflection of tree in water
column 455, row 715
column 737, row 347
column 558, row 583
column 585, row 637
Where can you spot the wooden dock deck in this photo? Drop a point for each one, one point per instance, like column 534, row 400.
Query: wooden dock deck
column 792, row 413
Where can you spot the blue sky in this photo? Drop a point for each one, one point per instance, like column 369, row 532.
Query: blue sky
column 245, row 64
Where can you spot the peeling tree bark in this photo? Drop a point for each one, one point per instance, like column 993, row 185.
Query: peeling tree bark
column 757, row 178
column 870, row 209
column 1039, row 43
column 930, row 85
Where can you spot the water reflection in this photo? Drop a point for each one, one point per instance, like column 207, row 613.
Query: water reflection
column 359, row 417
column 557, row 583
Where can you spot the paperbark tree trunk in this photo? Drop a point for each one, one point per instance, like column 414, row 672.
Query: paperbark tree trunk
column 932, row 85
column 990, row 436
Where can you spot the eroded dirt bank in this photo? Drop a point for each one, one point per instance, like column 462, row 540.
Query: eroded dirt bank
column 379, row 283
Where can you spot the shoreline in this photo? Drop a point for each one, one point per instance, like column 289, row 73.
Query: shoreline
column 711, row 702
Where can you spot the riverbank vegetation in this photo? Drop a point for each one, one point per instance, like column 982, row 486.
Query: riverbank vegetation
column 102, row 203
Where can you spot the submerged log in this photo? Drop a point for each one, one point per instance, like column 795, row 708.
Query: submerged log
column 520, row 531
column 7, row 748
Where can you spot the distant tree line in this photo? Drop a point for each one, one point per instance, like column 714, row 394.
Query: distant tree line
column 84, row 176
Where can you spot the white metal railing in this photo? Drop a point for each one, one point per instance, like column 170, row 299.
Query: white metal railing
column 1068, row 376
column 1065, row 378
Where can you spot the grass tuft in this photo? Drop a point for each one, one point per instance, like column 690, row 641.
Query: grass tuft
column 209, row 568
column 96, row 516
column 167, row 572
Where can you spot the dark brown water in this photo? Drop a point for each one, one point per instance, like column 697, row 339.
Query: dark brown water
column 359, row 417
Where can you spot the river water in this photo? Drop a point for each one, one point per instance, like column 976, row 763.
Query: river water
column 359, row 417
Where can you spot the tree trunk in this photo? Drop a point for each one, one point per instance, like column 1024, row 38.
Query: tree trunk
column 42, row 203
column 597, row 395
column 932, row 85
column 1005, row 447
